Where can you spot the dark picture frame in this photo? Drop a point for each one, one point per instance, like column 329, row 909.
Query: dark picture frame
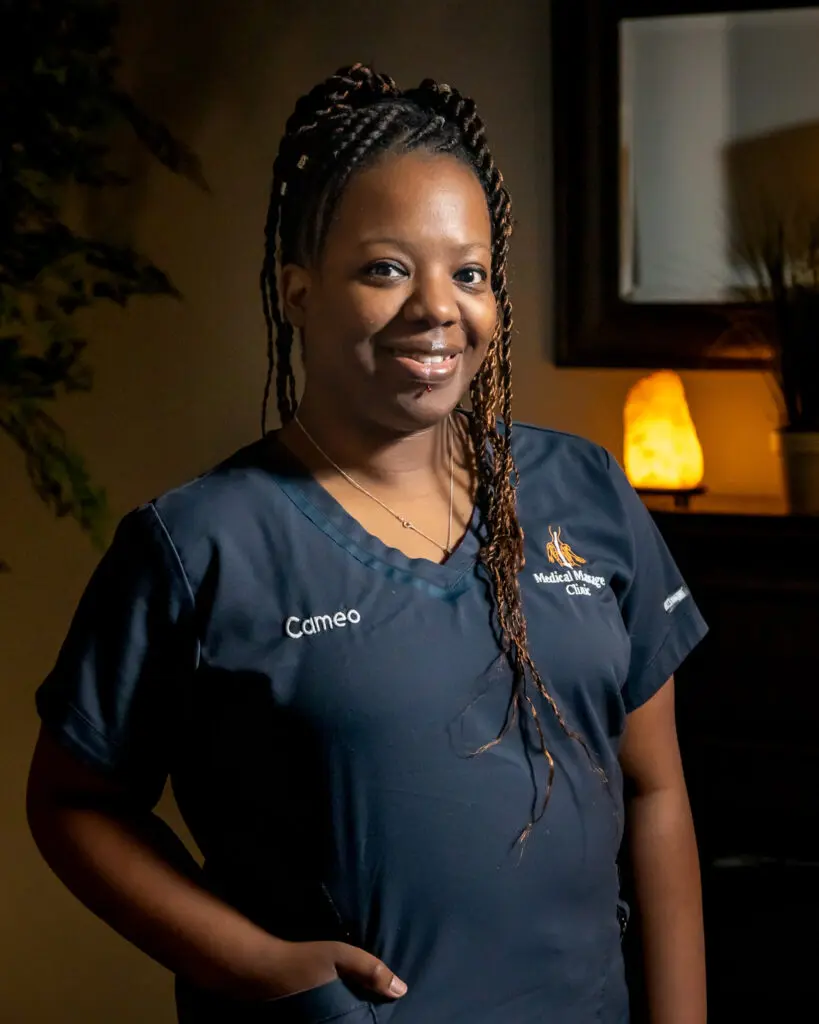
column 594, row 327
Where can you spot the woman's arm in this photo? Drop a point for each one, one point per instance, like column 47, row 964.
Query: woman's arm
column 665, row 864
column 128, row 867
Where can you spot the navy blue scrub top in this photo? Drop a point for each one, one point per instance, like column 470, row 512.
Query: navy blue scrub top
column 317, row 699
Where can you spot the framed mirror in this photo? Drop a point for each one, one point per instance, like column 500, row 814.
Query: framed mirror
column 686, row 135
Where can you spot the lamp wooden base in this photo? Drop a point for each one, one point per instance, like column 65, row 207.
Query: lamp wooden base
column 681, row 496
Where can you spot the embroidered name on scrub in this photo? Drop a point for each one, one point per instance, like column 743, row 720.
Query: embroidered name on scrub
column 578, row 583
column 297, row 628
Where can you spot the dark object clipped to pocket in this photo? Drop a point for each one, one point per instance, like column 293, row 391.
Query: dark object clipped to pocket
column 623, row 914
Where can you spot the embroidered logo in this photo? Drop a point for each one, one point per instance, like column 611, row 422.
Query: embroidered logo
column 560, row 552
column 578, row 582
column 674, row 599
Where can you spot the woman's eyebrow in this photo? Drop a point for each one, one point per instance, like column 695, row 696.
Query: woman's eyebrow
column 403, row 243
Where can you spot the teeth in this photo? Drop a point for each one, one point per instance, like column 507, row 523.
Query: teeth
column 427, row 359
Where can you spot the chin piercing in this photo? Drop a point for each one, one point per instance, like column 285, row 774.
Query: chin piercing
column 428, row 388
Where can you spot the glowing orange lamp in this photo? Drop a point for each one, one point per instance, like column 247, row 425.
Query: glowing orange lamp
column 662, row 452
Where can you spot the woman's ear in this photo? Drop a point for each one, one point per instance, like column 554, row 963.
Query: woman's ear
column 295, row 285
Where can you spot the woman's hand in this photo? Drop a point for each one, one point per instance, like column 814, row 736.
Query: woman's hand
column 295, row 967
column 128, row 867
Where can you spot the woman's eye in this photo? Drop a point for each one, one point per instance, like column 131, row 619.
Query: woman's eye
column 385, row 271
column 471, row 275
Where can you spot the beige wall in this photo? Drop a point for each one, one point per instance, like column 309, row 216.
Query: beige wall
column 178, row 385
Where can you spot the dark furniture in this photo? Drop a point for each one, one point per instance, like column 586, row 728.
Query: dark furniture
column 748, row 718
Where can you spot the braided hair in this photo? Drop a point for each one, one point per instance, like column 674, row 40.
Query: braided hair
column 341, row 126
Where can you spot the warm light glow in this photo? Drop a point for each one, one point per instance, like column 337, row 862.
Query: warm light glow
column 662, row 449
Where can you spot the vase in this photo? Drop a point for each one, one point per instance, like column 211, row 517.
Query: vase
column 800, row 461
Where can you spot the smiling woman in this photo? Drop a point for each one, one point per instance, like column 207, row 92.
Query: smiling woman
column 326, row 643
column 401, row 298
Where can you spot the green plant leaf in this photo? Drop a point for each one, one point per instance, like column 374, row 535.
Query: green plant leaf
column 62, row 111
column 57, row 472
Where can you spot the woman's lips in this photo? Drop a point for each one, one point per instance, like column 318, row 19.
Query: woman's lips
column 430, row 368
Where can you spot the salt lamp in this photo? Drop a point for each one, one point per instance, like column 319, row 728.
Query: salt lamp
column 662, row 450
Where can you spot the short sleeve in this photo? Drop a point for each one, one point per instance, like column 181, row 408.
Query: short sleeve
column 113, row 695
column 663, row 622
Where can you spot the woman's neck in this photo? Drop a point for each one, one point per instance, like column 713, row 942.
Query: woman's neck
column 388, row 460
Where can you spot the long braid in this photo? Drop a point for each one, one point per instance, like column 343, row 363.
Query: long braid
column 331, row 102
column 337, row 128
column 491, row 396
column 278, row 358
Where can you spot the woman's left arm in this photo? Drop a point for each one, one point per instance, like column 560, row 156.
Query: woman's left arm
column 665, row 863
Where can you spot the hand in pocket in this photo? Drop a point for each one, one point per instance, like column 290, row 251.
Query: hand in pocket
column 306, row 965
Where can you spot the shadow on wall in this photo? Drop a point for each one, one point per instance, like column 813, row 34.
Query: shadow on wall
column 178, row 68
column 182, row 67
column 772, row 184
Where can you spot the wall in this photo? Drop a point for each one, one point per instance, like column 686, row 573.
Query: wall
column 178, row 385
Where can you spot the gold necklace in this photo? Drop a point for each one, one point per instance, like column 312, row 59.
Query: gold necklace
column 447, row 549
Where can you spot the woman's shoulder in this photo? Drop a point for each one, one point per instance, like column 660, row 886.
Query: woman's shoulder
column 541, row 448
column 554, row 465
column 232, row 506
column 228, row 491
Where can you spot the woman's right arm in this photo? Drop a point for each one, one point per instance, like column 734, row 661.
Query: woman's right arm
column 130, row 869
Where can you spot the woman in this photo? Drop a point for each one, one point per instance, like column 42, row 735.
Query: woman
column 395, row 657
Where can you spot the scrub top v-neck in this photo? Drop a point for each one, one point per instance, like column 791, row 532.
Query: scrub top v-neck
column 330, row 516
column 319, row 700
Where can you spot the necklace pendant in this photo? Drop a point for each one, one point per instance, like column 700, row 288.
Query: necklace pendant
column 446, row 548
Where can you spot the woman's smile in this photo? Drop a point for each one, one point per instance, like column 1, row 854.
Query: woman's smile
column 429, row 364
column 399, row 313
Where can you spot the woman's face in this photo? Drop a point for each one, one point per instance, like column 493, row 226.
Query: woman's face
column 398, row 313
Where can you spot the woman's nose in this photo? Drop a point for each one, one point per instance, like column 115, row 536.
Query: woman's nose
column 433, row 301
